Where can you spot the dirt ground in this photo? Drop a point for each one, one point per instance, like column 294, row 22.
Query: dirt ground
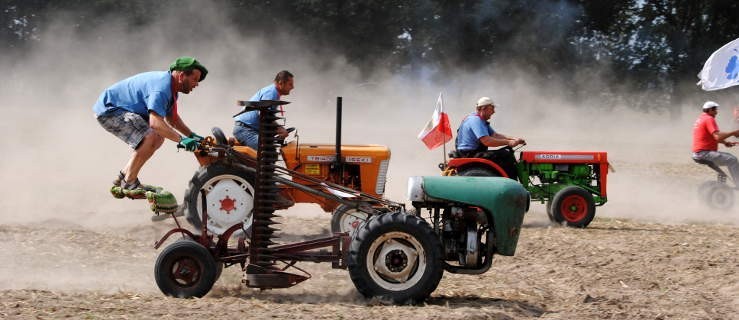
column 617, row 268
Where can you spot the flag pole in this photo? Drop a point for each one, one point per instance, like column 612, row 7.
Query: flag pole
column 444, row 144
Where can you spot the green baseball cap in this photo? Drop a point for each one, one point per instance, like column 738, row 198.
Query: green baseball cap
column 185, row 63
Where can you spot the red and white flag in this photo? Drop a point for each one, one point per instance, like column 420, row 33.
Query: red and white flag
column 438, row 131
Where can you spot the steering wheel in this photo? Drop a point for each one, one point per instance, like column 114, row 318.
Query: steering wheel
column 282, row 140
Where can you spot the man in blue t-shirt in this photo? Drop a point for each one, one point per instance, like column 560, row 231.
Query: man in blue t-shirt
column 142, row 111
column 246, row 126
column 475, row 135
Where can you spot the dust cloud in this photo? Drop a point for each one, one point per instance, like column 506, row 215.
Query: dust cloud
column 58, row 162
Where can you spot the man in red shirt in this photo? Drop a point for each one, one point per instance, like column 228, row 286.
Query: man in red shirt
column 706, row 137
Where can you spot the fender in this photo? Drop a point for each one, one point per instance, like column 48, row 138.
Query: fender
column 458, row 163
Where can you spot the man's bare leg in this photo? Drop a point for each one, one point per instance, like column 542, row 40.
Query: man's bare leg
column 146, row 149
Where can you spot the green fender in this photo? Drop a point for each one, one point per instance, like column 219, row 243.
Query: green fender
column 505, row 200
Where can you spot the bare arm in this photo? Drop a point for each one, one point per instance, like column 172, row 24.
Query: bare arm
column 720, row 136
column 176, row 122
column 161, row 127
column 499, row 139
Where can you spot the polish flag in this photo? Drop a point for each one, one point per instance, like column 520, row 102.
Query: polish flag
column 437, row 131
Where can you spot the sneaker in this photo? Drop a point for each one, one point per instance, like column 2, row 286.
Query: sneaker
column 137, row 185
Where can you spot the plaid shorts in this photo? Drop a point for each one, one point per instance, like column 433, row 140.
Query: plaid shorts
column 127, row 126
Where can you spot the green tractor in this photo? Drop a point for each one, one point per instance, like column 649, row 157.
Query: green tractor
column 570, row 183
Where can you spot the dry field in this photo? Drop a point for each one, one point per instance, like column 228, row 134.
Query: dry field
column 615, row 269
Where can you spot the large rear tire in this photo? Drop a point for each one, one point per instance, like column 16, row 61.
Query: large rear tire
column 229, row 197
column 347, row 219
column 573, row 206
column 477, row 172
column 185, row 269
column 397, row 257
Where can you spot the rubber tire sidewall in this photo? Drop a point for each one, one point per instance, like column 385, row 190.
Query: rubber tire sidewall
column 719, row 187
column 192, row 212
column 563, row 194
column 194, row 250
column 375, row 227
column 477, row 172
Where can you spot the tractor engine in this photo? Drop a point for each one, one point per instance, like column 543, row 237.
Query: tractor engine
column 562, row 173
column 461, row 235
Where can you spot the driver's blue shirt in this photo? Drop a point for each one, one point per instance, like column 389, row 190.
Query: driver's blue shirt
column 251, row 118
column 471, row 130
column 144, row 92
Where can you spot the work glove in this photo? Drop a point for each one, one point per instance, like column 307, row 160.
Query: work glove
column 195, row 136
column 188, row 144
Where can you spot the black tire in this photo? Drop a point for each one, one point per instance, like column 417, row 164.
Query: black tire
column 402, row 279
column 209, row 177
column 549, row 211
column 573, row 206
column 347, row 219
column 717, row 195
column 477, row 172
column 185, row 269
column 219, row 135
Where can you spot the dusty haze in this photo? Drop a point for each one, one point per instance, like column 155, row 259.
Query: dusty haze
column 58, row 162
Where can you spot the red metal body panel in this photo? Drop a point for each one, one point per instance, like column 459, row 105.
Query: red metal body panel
column 572, row 157
column 461, row 162
column 564, row 157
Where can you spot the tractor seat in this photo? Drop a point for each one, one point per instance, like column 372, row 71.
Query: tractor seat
column 454, row 154
column 713, row 166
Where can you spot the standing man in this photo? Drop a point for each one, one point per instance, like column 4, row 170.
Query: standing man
column 246, row 127
column 142, row 111
column 475, row 135
column 706, row 137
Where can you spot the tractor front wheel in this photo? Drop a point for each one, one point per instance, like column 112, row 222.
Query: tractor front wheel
column 573, row 206
column 185, row 269
column 717, row 195
column 397, row 257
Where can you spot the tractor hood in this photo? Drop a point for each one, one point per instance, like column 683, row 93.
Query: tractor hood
column 505, row 200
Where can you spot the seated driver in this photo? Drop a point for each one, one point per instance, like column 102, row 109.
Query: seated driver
column 706, row 138
column 475, row 135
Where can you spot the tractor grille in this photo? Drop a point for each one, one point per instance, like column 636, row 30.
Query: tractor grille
column 382, row 177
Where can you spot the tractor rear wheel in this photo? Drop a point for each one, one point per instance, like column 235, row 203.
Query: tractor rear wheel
column 347, row 219
column 229, row 196
column 185, row 269
column 397, row 257
column 573, row 206
column 477, row 172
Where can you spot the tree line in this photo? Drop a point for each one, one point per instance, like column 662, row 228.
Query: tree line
column 654, row 47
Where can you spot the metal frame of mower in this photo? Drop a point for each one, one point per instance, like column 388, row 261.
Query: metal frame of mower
column 570, row 183
column 190, row 267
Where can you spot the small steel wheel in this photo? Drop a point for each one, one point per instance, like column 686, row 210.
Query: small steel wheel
column 347, row 219
column 397, row 257
column 185, row 269
column 573, row 206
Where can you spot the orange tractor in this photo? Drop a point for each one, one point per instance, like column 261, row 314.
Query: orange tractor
column 229, row 186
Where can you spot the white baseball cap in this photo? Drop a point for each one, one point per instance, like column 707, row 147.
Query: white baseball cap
column 484, row 101
column 709, row 105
